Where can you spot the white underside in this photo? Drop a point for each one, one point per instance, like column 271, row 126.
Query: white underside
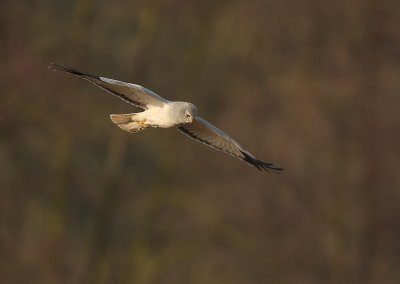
column 158, row 117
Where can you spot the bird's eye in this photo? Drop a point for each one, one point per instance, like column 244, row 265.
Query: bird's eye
column 187, row 115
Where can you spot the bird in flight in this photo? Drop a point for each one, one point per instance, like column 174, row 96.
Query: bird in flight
column 159, row 112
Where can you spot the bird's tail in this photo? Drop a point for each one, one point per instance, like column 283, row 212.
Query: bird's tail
column 121, row 118
column 128, row 122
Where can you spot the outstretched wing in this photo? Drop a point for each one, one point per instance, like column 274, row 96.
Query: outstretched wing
column 205, row 132
column 131, row 93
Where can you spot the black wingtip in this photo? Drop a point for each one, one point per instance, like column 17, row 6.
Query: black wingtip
column 71, row 70
column 260, row 165
column 64, row 68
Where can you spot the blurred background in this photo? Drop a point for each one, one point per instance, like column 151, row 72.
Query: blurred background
column 312, row 86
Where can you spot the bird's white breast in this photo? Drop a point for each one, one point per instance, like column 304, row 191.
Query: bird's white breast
column 160, row 116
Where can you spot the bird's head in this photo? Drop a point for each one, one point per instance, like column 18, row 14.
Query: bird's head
column 190, row 112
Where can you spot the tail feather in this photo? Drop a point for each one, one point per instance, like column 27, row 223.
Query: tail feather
column 121, row 118
column 127, row 122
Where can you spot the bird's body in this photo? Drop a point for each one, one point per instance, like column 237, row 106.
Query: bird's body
column 159, row 112
column 169, row 115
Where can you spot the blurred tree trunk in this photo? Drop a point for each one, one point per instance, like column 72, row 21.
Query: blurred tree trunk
column 98, row 247
column 85, row 11
column 370, row 67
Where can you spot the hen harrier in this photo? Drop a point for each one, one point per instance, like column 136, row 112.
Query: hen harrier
column 159, row 112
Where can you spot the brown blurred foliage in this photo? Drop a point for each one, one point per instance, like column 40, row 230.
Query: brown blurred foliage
column 310, row 85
